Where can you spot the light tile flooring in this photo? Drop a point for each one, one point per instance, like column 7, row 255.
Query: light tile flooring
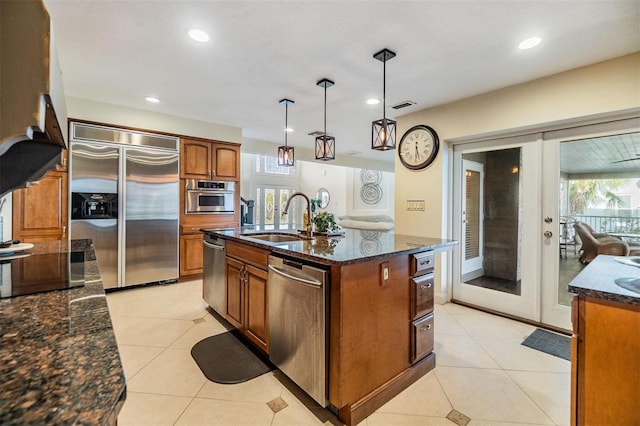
column 483, row 373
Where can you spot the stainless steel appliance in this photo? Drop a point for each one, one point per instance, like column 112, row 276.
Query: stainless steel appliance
column 297, row 318
column 214, row 282
column 125, row 197
column 208, row 196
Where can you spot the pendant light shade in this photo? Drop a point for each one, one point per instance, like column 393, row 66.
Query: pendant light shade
column 286, row 155
column 383, row 131
column 325, row 144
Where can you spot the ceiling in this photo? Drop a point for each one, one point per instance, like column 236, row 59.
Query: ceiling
column 610, row 154
column 119, row 52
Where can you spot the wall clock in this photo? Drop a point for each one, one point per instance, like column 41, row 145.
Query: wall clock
column 418, row 147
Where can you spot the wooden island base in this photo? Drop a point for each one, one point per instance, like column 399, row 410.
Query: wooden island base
column 355, row 413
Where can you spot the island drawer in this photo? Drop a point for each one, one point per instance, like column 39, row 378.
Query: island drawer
column 421, row 338
column 248, row 254
column 421, row 295
column 422, row 263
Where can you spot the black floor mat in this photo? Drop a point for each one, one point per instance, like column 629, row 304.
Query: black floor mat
column 224, row 358
column 551, row 343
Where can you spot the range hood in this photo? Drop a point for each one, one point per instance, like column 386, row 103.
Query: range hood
column 31, row 95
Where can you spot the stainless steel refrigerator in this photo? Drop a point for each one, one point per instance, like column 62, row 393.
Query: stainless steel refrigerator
column 125, row 197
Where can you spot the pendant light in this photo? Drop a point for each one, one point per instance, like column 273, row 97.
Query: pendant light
column 325, row 144
column 286, row 153
column 383, row 132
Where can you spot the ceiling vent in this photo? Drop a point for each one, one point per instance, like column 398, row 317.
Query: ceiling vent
column 403, row 105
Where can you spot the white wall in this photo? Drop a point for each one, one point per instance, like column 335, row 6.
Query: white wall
column 315, row 175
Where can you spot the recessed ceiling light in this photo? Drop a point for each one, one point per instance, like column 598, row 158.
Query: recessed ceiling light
column 529, row 43
column 152, row 99
column 373, row 101
column 199, row 35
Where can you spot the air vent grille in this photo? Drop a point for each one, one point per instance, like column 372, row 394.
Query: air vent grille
column 403, row 105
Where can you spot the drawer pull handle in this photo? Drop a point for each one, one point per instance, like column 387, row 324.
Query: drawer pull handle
column 425, row 262
column 425, row 286
column 428, row 327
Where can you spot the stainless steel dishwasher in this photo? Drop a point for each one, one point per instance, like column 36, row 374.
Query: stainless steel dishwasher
column 214, row 281
column 297, row 324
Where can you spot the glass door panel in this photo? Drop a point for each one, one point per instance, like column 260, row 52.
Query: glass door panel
column 497, row 183
column 270, row 203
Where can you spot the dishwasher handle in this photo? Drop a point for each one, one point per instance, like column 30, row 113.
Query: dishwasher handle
column 313, row 283
column 213, row 246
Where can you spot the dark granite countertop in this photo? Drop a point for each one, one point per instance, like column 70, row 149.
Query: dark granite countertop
column 352, row 247
column 59, row 361
column 598, row 280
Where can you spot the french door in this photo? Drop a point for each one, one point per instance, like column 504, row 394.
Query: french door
column 511, row 261
column 270, row 203
column 497, row 208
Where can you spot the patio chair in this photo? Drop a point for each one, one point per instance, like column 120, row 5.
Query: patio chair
column 602, row 244
column 567, row 235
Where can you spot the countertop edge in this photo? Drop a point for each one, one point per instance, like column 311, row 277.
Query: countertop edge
column 597, row 280
column 440, row 246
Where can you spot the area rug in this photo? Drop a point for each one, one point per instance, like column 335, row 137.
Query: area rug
column 225, row 359
column 549, row 342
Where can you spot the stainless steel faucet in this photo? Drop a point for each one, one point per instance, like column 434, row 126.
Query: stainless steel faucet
column 309, row 228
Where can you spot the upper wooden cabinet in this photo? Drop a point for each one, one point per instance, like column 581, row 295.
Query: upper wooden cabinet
column 40, row 211
column 203, row 159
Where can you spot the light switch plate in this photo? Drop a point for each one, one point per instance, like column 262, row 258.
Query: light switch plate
column 415, row 205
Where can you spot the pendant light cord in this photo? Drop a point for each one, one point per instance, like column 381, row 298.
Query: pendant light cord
column 286, row 120
column 384, row 90
column 325, row 110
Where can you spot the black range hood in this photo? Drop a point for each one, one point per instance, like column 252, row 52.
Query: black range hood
column 31, row 139
column 26, row 158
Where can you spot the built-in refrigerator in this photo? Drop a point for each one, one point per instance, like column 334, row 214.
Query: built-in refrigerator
column 125, row 197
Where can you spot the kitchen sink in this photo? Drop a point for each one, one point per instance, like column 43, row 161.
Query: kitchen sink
column 272, row 237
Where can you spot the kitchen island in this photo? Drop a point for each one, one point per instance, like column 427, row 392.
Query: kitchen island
column 605, row 347
column 59, row 361
column 379, row 306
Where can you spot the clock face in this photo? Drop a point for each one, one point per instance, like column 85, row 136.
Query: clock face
column 418, row 147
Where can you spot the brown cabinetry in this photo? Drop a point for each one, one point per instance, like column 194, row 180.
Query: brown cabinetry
column 246, row 269
column 207, row 160
column 40, row 211
column 605, row 362
column 421, row 305
column 204, row 159
column 191, row 254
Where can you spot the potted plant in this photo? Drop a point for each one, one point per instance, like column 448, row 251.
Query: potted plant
column 325, row 222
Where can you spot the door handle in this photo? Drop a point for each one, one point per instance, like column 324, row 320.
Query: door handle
column 548, row 234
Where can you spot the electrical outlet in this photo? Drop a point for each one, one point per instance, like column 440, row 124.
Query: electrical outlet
column 384, row 274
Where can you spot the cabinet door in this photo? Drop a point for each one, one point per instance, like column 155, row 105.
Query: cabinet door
column 40, row 211
column 195, row 159
column 226, row 162
column 191, row 253
column 235, row 282
column 257, row 325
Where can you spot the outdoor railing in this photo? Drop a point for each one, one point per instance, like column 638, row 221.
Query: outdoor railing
column 611, row 224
